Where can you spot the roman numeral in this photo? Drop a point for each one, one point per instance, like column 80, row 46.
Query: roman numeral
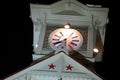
column 58, row 36
column 73, row 44
column 74, row 37
column 71, row 34
column 75, row 40
column 56, row 39
column 61, row 33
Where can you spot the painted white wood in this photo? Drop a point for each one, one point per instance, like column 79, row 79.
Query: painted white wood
column 73, row 11
column 35, row 56
column 41, row 70
column 90, row 42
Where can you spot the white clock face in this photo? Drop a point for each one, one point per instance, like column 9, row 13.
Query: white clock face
column 73, row 38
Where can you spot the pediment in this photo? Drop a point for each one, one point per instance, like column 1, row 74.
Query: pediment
column 69, row 12
column 55, row 67
column 71, row 8
column 68, row 7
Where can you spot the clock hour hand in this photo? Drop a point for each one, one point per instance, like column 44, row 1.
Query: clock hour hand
column 57, row 42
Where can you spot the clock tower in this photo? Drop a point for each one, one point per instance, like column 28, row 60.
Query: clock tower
column 86, row 23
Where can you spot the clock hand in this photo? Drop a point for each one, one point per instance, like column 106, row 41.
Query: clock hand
column 57, row 42
column 71, row 48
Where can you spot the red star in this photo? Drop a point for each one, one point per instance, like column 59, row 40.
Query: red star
column 52, row 66
column 69, row 67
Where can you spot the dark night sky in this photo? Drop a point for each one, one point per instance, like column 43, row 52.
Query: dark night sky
column 20, row 36
column 104, row 3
